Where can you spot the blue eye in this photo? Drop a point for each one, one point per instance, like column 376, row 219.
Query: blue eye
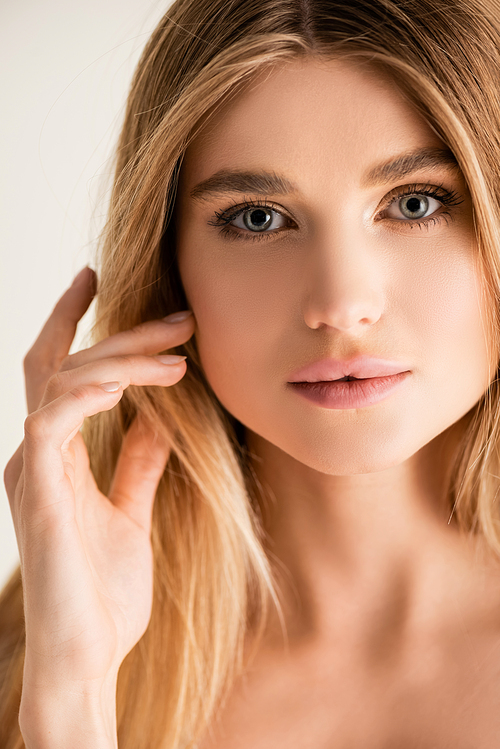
column 257, row 219
column 250, row 220
column 413, row 207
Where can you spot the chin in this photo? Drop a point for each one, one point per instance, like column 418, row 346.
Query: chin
column 345, row 450
column 342, row 463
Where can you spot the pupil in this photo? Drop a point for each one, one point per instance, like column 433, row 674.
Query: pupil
column 415, row 205
column 257, row 218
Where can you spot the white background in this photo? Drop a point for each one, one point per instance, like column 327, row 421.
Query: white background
column 66, row 67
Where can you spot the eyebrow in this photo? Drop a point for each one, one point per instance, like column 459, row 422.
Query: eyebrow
column 269, row 183
column 227, row 180
column 402, row 166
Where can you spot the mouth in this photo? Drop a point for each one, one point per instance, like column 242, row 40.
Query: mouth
column 347, row 379
column 349, row 392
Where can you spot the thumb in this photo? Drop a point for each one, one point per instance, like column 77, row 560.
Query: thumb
column 139, row 468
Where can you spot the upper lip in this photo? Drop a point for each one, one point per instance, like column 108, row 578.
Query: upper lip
column 361, row 367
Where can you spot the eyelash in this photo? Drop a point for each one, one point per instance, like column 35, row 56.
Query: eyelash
column 223, row 219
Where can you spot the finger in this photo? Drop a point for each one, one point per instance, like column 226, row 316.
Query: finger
column 14, row 484
column 129, row 370
column 140, row 466
column 48, row 429
column 11, row 477
column 146, row 338
column 55, row 339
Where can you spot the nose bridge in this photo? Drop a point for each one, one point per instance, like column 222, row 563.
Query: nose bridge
column 343, row 280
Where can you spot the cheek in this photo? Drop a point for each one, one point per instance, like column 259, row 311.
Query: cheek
column 446, row 314
column 449, row 321
column 239, row 312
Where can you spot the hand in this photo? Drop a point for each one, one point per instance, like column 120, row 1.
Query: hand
column 86, row 559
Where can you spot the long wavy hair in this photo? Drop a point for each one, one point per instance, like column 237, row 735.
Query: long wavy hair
column 213, row 576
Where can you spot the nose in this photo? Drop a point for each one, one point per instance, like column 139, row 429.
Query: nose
column 343, row 284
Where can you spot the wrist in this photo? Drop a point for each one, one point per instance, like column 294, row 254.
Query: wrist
column 80, row 716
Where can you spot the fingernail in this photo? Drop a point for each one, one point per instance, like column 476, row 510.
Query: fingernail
column 170, row 359
column 111, row 387
column 178, row 316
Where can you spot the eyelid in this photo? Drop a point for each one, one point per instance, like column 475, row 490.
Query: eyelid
column 439, row 192
column 230, row 213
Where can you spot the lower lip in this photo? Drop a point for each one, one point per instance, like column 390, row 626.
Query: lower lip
column 353, row 394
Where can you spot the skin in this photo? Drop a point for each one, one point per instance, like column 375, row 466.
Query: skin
column 86, row 558
column 379, row 589
column 392, row 615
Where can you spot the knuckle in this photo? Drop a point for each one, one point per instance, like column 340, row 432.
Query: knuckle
column 40, row 363
column 69, row 362
column 126, row 360
column 11, row 474
column 55, row 384
column 32, row 360
column 144, row 465
column 28, row 359
column 80, row 393
column 35, row 425
column 138, row 329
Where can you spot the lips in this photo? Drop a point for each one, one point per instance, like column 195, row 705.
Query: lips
column 356, row 394
column 360, row 368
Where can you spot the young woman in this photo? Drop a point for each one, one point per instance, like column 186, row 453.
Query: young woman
column 290, row 537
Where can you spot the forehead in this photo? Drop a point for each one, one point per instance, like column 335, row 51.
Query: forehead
column 310, row 119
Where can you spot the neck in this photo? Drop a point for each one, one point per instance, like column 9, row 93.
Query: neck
column 344, row 547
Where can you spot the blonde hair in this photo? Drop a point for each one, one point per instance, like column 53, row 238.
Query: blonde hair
column 213, row 580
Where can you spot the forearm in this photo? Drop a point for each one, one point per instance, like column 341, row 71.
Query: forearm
column 62, row 718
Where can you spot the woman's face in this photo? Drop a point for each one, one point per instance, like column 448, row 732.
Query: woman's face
column 335, row 260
